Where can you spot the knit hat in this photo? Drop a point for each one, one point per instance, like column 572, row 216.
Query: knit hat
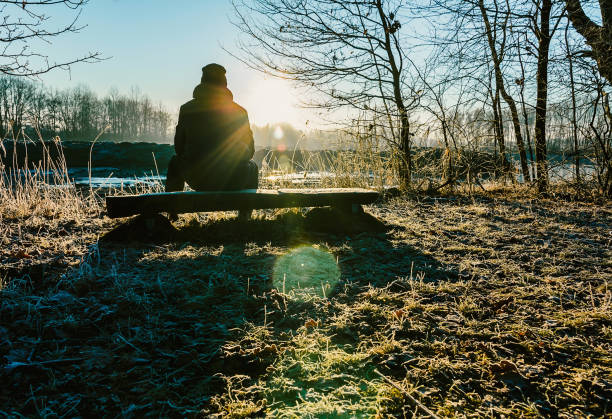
column 214, row 74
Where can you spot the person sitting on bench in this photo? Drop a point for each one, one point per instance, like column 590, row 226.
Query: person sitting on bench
column 213, row 140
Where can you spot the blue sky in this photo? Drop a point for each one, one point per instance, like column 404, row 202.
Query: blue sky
column 160, row 46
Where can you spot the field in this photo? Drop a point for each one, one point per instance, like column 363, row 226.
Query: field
column 495, row 304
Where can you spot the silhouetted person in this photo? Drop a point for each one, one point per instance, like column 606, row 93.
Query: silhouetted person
column 213, row 140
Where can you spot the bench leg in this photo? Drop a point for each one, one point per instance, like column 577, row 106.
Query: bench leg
column 245, row 214
column 152, row 222
column 350, row 208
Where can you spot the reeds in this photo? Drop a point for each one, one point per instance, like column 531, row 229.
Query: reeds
column 40, row 188
column 46, row 188
column 349, row 162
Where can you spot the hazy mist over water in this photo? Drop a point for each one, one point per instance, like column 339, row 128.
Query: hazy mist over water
column 286, row 137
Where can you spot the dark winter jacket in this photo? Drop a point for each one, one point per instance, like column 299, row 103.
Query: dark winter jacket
column 213, row 133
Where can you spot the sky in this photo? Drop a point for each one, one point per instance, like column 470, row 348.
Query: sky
column 160, row 46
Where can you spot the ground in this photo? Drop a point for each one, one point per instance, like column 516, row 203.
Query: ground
column 474, row 306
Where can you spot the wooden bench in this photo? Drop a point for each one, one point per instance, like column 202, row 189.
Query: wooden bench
column 349, row 200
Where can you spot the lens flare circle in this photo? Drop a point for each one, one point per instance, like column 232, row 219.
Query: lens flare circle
column 278, row 133
column 306, row 271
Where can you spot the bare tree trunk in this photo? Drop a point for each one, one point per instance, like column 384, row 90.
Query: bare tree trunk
column 448, row 165
column 542, row 96
column 606, row 150
column 405, row 169
column 573, row 94
column 599, row 38
column 524, row 109
column 499, row 130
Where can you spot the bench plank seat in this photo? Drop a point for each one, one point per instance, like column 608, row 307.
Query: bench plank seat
column 182, row 202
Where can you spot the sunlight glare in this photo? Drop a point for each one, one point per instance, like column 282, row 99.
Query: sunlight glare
column 270, row 100
column 278, row 133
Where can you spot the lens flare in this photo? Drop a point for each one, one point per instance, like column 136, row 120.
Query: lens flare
column 306, row 271
column 278, row 133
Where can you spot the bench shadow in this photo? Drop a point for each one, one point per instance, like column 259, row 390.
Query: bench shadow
column 281, row 228
column 363, row 244
column 183, row 307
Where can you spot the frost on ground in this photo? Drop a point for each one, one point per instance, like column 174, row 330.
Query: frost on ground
column 479, row 306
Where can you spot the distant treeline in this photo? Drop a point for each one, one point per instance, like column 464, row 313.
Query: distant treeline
column 79, row 114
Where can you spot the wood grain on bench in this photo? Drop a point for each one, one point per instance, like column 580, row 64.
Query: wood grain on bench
column 181, row 202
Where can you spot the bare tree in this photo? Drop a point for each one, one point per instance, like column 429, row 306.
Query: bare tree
column 570, row 60
column 599, row 38
column 78, row 114
column 350, row 53
column 544, row 32
column 24, row 23
column 491, row 54
column 600, row 138
column 497, row 57
column 481, row 32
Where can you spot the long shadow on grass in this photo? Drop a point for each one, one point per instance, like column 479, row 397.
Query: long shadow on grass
column 367, row 257
column 141, row 328
column 135, row 329
column 365, row 247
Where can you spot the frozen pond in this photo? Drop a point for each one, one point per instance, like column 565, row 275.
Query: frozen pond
column 112, row 178
column 119, row 182
column 299, row 178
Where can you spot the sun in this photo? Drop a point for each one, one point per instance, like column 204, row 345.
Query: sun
column 270, row 100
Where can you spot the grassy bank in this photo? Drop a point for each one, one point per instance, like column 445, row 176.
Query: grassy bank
column 487, row 305
column 482, row 302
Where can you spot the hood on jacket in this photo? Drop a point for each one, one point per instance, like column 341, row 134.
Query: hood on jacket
column 211, row 91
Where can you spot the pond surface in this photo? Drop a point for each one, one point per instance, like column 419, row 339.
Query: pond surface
column 114, row 178
column 111, row 181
